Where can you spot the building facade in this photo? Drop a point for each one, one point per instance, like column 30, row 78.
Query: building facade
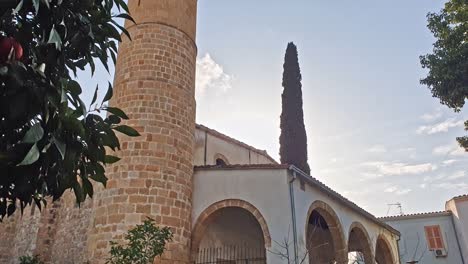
column 436, row 237
column 225, row 201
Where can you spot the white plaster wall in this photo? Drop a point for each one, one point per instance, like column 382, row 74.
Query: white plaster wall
column 459, row 209
column 234, row 153
column 199, row 155
column 412, row 228
column 268, row 191
column 303, row 201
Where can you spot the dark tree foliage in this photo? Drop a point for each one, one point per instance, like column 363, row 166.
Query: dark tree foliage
column 50, row 141
column 448, row 64
column 293, row 138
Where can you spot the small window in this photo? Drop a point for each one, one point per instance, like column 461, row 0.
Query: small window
column 220, row 162
column 434, row 237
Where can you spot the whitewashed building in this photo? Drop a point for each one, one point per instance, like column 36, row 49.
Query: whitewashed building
column 435, row 237
column 249, row 209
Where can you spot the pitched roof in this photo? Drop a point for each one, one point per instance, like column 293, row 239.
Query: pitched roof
column 234, row 141
column 414, row 216
column 461, row 197
column 243, row 166
column 309, row 179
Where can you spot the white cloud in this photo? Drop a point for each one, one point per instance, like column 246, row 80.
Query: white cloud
column 456, row 175
column 451, row 150
column 449, row 162
column 397, row 190
column 377, row 149
column 461, row 186
column 370, row 175
column 210, row 77
column 406, row 150
column 439, row 127
column 397, row 168
column 432, row 117
column 448, row 182
column 390, row 189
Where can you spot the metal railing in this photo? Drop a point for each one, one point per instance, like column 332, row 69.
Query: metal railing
column 232, row 255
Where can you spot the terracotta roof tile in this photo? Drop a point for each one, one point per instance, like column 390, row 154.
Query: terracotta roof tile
column 346, row 201
column 463, row 196
column 415, row 215
column 243, row 166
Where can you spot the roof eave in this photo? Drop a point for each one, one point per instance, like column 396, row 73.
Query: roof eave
column 311, row 180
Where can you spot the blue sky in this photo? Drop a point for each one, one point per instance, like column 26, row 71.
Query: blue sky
column 374, row 133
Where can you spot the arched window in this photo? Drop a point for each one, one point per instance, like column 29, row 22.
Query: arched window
column 220, row 160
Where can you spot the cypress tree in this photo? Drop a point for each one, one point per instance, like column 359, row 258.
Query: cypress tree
column 293, row 138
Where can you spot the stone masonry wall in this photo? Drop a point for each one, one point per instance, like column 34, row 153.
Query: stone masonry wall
column 7, row 230
column 154, row 84
column 72, row 228
column 20, row 233
column 57, row 234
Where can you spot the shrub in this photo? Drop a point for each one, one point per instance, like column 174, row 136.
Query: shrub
column 30, row 260
column 144, row 243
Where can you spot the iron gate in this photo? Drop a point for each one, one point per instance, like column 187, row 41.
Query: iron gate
column 231, row 255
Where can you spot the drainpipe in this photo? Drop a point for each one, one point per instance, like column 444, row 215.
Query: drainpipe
column 206, row 143
column 293, row 213
column 456, row 239
column 398, row 249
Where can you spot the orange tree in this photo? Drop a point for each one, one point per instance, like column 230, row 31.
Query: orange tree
column 448, row 64
column 50, row 141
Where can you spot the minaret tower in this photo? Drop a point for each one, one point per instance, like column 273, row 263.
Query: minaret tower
column 155, row 85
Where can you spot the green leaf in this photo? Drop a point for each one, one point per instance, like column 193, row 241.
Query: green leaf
column 18, row 7
column 46, row 2
column 36, row 5
column 109, row 93
column 34, row 134
column 61, row 147
column 78, row 192
column 109, row 159
column 74, row 87
column 54, row 37
column 116, row 111
column 127, row 131
column 113, row 119
column 121, row 3
column 87, row 187
column 124, row 30
column 126, row 16
column 31, row 157
column 63, row 97
column 99, row 177
column 11, row 209
column 95, row 95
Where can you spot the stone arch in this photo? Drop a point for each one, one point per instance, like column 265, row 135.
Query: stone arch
column 333, row 224
column 219, row 156
column 383, row 251
column 204, row 219
column 359, row 240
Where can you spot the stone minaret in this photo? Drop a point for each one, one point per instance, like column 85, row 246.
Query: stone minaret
column 155, row 85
